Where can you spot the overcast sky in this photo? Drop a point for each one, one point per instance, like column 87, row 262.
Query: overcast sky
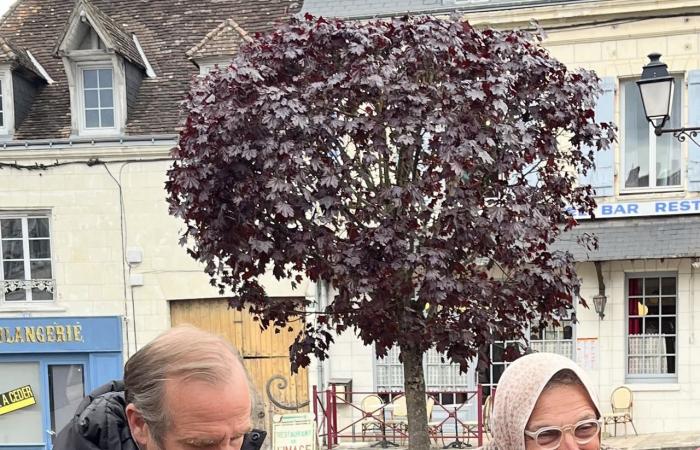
column 4, row 4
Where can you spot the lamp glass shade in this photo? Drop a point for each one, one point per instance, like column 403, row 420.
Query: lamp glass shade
column 657, row 95
column 599, row 302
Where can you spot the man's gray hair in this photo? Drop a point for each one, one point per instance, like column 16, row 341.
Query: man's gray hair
column 181, row 353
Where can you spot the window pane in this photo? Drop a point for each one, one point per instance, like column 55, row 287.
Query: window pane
column 91, row 98
column 67, row 388
column 24, row 426
column 106, row 98
column 38, row 227
column 92, row 118
column 635, row 286
column 2, row 117
column 668, row 306
column 652, row 306
column 19, row 295
column 668, row 325
column 14, row 270
column 105, row 78
column 90, row 78
column 668, row 148
column 668, row 286
column 11, row 228
column 636, row 138
column 12, row 249
column 107, row 117
column 651, row 325
column 38, row 294
column 40, row 269
column 651, row 286
column 39, row 248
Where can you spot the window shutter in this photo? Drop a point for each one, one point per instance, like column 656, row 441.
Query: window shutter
column 602, row 178
column 693, row 121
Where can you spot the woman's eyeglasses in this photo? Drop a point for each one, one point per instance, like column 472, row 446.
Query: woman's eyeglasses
column 549, row 438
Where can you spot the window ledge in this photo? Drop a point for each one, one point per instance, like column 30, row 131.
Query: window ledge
column 31, row 308
column 647, row 191
column 653, row 387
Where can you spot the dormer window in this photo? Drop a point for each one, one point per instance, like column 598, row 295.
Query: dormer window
column 105, row 67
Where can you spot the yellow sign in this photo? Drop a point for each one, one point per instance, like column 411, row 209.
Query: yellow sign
column 16, row 399
column 41, row 334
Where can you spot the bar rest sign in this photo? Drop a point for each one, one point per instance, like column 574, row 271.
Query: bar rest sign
column 16, row 399
column 294, row 432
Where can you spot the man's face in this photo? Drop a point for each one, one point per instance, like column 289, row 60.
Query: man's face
column 202, row 416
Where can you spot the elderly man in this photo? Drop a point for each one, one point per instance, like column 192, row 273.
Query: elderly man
column 185, row 390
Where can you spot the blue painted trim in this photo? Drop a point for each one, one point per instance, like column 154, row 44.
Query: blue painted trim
column 693, row 121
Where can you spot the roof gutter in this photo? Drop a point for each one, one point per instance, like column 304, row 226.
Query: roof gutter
column 162, row 139
column 464, row 9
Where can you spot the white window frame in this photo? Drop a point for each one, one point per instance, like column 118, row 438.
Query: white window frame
column 669, row 378
column 80, row 90
column 27, row 260
column 8, row 123
column 652, row 145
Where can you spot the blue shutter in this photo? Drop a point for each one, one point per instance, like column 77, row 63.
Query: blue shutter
column 693, row 121
column 602, row 178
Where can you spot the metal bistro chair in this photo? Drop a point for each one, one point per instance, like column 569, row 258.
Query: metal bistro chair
column 486, row 415
column 371, row 405
column 399, row 416
column 621, row 402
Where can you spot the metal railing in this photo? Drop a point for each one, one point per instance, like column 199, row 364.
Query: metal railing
column 340, row 417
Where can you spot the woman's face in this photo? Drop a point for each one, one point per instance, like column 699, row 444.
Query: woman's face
column 562, row 405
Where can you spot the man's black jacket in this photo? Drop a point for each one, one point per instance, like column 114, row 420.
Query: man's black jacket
column 100, row 423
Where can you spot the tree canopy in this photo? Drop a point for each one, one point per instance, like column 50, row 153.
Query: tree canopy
column 419, row 165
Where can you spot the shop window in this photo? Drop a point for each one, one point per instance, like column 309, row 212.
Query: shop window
column 651, row 327
column 20, row 424
column 649, row 161
column 26, row 272
column 67, row 388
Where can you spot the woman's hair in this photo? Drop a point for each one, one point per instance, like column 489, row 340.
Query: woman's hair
column 565, row 377
column 184, row 353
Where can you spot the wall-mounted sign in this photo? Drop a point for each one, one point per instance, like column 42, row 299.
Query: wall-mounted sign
column 42, row 334
column 15, row 399
column 60, row 334
column 666, row 207
column 294, row 432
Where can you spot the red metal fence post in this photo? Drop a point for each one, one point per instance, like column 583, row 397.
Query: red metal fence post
column 480, row 415
column 335, row 415
column 329, row 421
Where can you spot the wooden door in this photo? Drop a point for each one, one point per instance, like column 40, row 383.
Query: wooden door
column 265, row 353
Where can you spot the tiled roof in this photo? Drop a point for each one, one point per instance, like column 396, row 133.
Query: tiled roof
column 166, row 30
column 222, row 40
column 619, row 239
column 17, row 57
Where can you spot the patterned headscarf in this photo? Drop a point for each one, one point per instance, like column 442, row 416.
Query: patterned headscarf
column 518, row 391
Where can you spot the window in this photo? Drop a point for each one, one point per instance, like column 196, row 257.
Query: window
column 490, row 375
column 651, row 326
column 557, row 339
column 98, row 98
column 442, row 378
column 25, row 247
column 650, row 161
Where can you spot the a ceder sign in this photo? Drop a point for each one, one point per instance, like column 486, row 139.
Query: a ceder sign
column 666, row 207
column 15, row 399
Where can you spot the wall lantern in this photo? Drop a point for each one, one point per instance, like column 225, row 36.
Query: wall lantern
column 599, row 302
column 656, row 88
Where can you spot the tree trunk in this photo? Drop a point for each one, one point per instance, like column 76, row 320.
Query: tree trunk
column 414, row 384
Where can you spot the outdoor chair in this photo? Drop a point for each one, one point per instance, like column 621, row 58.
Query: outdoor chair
column 486, row 415
column 371, row 406
column 621, row 402
column 399, row 417
column 434, row 426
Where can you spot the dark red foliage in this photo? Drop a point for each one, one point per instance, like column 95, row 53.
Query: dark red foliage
column 420, row 165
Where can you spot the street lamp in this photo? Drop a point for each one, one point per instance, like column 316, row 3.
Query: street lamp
column 656, row 88
column 599, row 302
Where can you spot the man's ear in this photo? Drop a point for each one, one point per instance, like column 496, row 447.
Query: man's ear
column 137, row 426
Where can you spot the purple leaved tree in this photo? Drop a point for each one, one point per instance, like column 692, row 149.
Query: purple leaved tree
column 420, row 166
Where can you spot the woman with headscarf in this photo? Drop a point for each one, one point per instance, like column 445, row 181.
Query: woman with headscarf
column 544, row 402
